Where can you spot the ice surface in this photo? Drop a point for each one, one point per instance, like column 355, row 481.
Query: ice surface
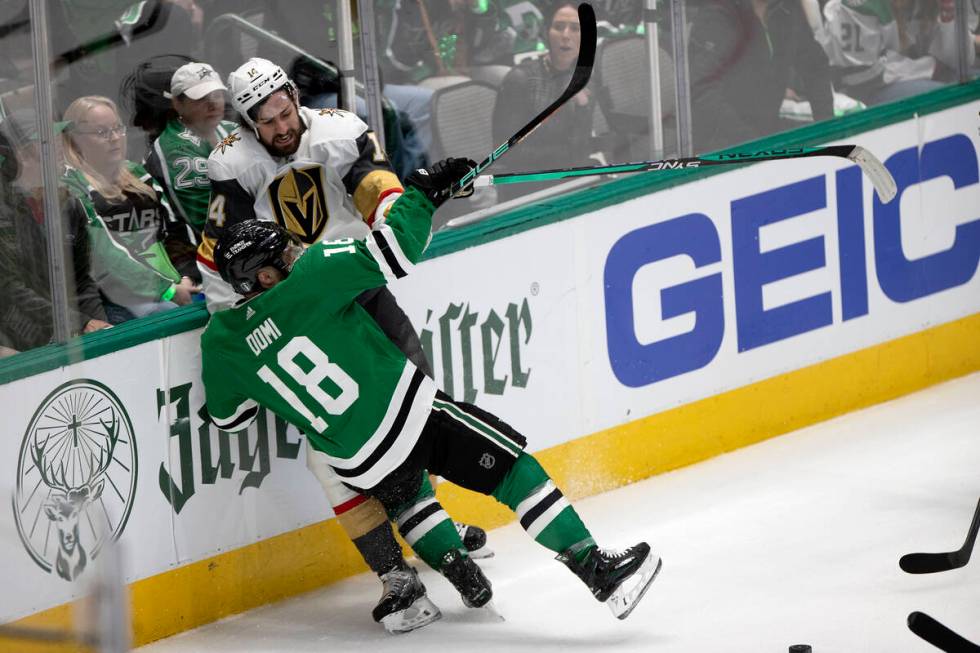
column 795, row 540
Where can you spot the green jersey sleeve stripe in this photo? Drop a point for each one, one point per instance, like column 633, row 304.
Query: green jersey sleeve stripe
column 402, row 398
column 240, row 419
column 378, row 254
column 389, row 247
column 379, row 259
column 405, row 418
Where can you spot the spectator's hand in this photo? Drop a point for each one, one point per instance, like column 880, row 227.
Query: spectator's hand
column 436, row 181
column 95, row 325
column 7, row 351
column 582, row 97
column 185, row 291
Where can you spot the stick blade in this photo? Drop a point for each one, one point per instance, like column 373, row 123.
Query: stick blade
column 939, row 635
column 928, row 563
column 876, row 171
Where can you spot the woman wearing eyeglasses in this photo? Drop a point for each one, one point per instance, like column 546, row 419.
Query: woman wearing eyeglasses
column 128, row 215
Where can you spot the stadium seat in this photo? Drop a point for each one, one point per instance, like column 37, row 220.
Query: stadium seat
column 623, row 83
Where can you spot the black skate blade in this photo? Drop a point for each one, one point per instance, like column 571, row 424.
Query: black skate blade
column 627, row 596
column 421, row 613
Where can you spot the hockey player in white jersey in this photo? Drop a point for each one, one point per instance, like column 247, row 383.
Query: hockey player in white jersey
column 318, row 172
column 322, row 175
column 879, row 55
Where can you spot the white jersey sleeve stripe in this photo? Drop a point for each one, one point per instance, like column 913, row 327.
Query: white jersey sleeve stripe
column 379, row 258
column 389, row 246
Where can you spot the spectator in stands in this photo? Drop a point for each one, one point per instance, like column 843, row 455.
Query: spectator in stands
column 95, row 41
column 564, row 140
column 885, row 50
column 141, row 95
column 447, row 37
column 26, row 314
column 178, row 160
column 128, row 215
column 743, row 54
column 620, row 17
column 408, row 131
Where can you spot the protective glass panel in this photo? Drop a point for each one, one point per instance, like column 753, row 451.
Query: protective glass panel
column 456, row 78
column 762, row 68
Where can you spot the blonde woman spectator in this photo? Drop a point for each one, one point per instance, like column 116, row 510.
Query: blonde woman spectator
column 127, row 213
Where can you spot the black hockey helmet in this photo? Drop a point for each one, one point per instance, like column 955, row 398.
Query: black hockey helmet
column 246, row 247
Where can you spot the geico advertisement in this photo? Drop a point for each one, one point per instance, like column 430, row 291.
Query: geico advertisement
column 672, row 297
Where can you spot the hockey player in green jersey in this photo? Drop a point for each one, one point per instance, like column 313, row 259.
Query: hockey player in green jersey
column 300, row 345
column 322, row 176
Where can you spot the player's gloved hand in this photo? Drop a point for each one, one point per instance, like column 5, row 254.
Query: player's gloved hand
column 436, row 181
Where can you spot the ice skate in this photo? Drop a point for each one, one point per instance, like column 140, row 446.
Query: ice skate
column 404, row 606
column 474, row 539
column 467, row 577
column 619, row 579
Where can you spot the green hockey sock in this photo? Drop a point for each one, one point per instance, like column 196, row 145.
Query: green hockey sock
column 426, row 526
column 543, row 510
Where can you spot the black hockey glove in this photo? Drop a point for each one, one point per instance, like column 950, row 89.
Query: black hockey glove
column 436, row 181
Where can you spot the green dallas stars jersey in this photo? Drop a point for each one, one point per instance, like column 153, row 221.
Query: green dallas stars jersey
column 179, row 161
column 306, row 350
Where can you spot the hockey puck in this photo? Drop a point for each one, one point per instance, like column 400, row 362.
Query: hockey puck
column 800, row 648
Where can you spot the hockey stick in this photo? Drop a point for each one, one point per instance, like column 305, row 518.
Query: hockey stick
column 583, row 71
column 929, row 563
column 882, row 180
column 939, row 635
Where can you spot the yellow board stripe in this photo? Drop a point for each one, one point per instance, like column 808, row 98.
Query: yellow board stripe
column 305, row 559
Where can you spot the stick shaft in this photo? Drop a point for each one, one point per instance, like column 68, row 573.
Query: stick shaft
column 879, row 175
column 583, row 71
column 669, row 164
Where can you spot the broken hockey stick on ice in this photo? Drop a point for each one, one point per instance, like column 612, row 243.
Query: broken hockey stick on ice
column 882, row 180
column 583, row 71
column 939, row 635
column 930, row 563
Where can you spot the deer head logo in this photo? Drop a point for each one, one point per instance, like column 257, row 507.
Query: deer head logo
column 76, row 476
column 69, row 499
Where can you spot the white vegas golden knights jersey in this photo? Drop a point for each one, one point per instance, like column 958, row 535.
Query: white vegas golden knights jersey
column 336, row 185
column 862, row 43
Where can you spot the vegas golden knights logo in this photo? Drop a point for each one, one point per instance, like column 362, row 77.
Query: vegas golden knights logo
column 299, row 202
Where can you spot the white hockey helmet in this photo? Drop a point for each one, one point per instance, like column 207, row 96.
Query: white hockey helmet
column 254, row 81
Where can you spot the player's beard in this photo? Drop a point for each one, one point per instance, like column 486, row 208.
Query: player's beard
column 276, row 151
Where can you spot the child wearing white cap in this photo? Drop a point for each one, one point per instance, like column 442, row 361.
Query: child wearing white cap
column 179, row 156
